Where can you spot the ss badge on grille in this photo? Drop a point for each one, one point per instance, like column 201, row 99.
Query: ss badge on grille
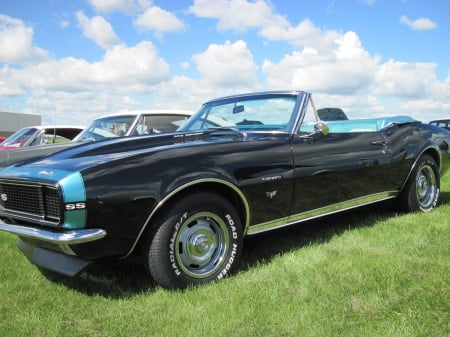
column 75, row 206
column 4, row 197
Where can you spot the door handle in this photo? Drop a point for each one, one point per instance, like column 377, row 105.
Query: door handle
column 379, row 142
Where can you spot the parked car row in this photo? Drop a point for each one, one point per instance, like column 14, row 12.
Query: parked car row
column 40, row 135
column 184, row 201
column 28, row 143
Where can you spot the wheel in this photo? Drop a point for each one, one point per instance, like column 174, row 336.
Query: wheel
column 198, row 240
column 421, row 191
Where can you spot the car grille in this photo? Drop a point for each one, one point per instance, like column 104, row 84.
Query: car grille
column 35, row 203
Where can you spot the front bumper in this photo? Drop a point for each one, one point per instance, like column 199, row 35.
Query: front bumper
column 61, row 258
column 70, row 237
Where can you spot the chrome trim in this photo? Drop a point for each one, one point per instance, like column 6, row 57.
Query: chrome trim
column 316, row 213
column 71, row 237
column 31, row 217
column 192, row 183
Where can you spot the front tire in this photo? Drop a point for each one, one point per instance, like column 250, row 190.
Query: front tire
column 198, row 240
column 422, row 190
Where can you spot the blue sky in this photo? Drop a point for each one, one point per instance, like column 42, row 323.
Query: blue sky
column 72, row 61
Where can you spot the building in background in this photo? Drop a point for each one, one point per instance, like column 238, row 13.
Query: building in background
column 10, row 122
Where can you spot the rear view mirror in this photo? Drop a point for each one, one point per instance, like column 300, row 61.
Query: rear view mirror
column 238, row 109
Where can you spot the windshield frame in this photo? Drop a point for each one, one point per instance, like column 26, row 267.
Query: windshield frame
column 236, row 107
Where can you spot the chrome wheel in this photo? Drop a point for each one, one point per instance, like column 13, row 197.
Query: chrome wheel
column 426, row 187
column 201, row 244
column 422, row 189
column 198, row 239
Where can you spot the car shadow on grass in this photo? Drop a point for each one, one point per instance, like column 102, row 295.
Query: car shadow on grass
column 445, row 197
column 108, row 278
column 263, row 247
column 125, row 278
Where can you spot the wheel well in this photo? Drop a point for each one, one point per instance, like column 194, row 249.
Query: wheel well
column 434, row 154
column 215, row 187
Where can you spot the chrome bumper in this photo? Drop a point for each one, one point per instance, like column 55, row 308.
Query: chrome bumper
column 70, row 237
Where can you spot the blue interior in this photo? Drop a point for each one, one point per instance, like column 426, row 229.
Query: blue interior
column 360, row 125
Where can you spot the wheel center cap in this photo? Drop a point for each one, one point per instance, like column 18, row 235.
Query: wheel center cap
column 201, row 244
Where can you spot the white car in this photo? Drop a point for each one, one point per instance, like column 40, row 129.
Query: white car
column 134, row 123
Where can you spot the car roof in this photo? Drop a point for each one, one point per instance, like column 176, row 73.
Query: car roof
column 148, row 112
column 53, row 127
column 441, row 120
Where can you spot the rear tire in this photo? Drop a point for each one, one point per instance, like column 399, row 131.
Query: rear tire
column 422, row 190
column 198, row 240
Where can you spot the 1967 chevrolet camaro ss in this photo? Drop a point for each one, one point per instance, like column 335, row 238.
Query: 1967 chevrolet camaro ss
column 184, row 201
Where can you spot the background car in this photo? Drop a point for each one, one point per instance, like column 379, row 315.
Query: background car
column 133, row 123
column 183, row 202
column 331, row 114
column 442, row 123
column 40, row 135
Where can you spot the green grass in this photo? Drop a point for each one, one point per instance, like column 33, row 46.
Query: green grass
column 369, row 272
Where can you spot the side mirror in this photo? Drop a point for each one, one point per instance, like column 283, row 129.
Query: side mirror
column 322, row 128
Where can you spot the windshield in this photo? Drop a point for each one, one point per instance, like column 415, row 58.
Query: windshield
column 267, row 113
column 133, row 125
column 107, row 127
column 20, row 137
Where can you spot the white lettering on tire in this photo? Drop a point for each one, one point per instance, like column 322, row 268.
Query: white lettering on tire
column 172, row 244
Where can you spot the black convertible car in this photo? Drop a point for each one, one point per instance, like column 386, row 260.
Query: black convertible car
column 241, row 165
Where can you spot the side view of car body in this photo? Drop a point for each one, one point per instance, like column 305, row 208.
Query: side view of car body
column 241, row 165
column 131, row 123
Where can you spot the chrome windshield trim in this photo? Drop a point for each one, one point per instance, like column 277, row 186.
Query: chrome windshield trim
column 66, row 238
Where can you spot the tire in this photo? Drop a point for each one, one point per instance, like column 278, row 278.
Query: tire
column 422, row 190
column 198, row 240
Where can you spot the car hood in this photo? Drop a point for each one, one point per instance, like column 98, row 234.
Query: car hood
column 82, row 157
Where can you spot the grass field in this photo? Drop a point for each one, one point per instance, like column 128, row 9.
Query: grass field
column 369, row 272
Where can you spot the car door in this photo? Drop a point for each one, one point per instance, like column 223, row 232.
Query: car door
column 338, row 170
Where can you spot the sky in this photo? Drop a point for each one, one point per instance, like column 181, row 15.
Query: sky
column 73, row 61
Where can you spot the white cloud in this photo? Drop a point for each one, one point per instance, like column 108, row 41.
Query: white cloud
column 16, row 41
column 238, row 15
column 136, row 69
column 98, row 30
column 409, row 80
column 347, row 69
column 110, row 6
column 228, row 65
column 241, row 15
column 333, row 65
column 64, row 24
column 77, row 108
column 418, row 24
column 158, row 20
